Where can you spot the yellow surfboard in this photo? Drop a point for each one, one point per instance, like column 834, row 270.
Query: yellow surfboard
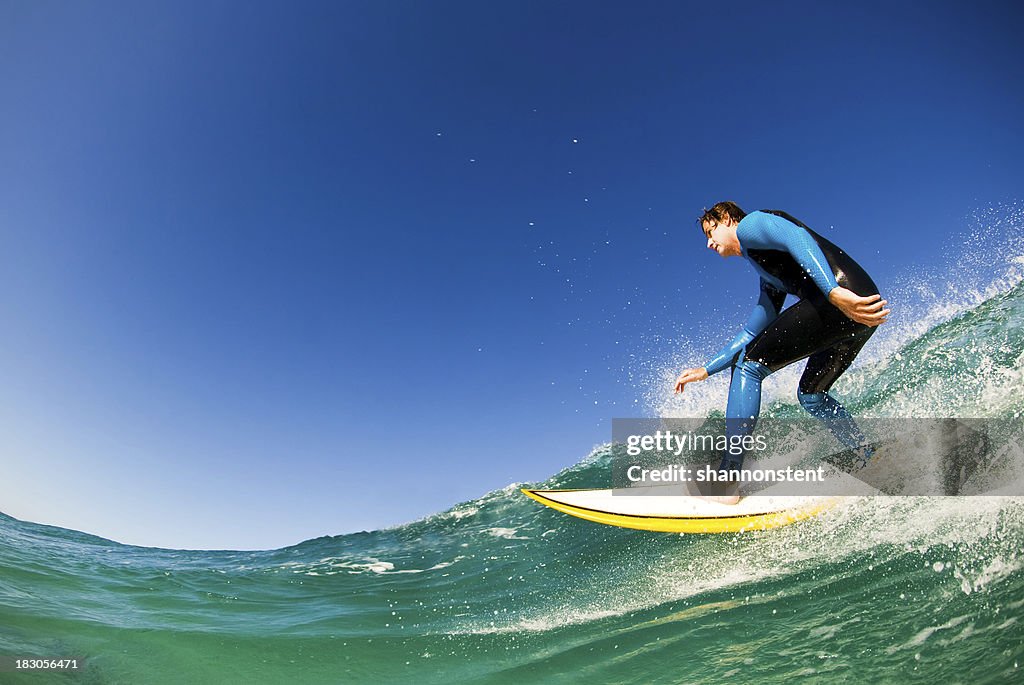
column 683, row 513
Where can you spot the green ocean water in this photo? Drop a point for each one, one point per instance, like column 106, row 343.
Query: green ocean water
column 502, row 590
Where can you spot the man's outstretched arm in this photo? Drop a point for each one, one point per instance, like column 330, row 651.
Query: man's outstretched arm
column 768, row 306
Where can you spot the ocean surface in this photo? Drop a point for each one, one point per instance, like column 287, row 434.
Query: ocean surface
column 503, row 590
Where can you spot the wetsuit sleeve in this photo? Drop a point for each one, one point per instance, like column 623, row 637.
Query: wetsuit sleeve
column 768, row 306
column 766, row 232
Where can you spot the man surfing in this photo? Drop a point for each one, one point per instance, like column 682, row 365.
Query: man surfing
column 838, row 311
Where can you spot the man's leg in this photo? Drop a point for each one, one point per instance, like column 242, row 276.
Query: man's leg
column 823, row 369
column 744, row 405
column 810, row 327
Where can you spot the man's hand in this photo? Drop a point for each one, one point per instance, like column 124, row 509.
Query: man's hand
column 690, row 376
column 869, row 311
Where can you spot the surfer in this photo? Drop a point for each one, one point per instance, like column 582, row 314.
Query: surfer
column 838, row 310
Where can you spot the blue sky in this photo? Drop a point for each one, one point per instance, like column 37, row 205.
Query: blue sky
column 272, row 271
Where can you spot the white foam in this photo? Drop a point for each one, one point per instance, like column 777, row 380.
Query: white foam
column 923, row 635
column 506, row 533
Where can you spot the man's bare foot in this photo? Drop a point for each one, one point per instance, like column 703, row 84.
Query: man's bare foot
column 723, row 499
column 721, row 493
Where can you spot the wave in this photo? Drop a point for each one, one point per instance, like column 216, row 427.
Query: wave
column 499, row 589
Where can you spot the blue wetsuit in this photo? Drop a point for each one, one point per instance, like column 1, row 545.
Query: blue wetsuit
column 793, row 260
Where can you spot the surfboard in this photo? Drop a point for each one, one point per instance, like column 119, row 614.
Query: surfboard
column 683, row 513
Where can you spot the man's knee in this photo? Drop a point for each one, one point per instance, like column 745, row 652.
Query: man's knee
column 814, row 402
column 752, row 369
column 821, row 405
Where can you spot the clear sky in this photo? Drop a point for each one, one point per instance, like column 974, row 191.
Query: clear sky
column 270, row 271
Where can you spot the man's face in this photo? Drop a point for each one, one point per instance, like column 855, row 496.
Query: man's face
column 721, row 236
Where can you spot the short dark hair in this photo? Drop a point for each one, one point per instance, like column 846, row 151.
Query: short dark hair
column 720, row 211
